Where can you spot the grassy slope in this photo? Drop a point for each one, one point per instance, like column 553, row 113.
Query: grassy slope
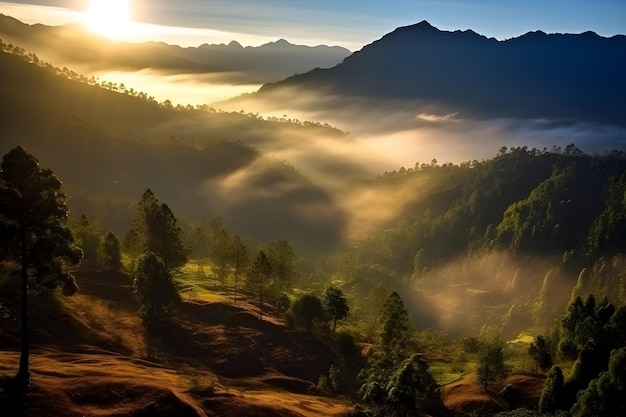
column 91, row 357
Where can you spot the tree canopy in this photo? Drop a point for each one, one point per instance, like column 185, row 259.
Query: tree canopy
column 34, row 233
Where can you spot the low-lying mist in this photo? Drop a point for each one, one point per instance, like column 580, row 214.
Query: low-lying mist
column 498, row 289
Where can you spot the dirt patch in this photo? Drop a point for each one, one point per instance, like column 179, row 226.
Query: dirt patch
column 466, row 395
column 88, row 358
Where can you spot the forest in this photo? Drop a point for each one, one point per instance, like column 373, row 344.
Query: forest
column 492, row 287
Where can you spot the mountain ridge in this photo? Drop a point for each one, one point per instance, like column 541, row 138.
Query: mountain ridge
column 556, row 76
column 271, row 61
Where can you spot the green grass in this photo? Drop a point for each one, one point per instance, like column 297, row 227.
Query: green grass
column 445, row 372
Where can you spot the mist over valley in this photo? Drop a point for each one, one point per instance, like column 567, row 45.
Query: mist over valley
column 321, row 220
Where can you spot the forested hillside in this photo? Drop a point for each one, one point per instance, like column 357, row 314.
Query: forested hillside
column 111, row 145
column 516, row 234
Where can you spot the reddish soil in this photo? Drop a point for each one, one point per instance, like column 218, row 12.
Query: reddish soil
column 91, row 357
column 466, row 395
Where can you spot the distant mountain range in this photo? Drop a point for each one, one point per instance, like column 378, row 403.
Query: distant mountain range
column 579, row 77
column 73, row 44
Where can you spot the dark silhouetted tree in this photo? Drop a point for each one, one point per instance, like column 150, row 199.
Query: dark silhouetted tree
column 157, row 231
column 605, row 396
column 112, row 252
column 539, row 351
column 282, row 258
column 220, row 255
column 553, row 395
column 397, row 329
column 240, row 259
column 154, row 290
column 335, row 304
column 165, row 238
column 258, row 274
column 307, row 310
column 34, row 234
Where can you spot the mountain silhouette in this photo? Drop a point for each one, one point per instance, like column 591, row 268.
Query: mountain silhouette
column 236, row 64
column 537, row 75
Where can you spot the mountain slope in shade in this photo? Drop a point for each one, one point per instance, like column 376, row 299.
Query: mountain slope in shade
column 109, row 147
column 537, row 75
column 236, row 64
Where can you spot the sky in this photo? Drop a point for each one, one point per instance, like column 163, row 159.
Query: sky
column 349, row 23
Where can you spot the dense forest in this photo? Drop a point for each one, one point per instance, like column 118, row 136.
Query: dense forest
column 468, row 261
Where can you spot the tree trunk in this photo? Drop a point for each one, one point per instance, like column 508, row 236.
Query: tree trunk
column 23, row 372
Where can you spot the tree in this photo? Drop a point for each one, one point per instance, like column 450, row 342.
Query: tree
column 34, row 234
column 605, row 395
column 335, row 304
column 156, row 230
column 112, row 252
column 88, row 235
column 412, row 388
column 259, row 272
column 553, row 395
column 396, row 328
column 307, row 310
column 220, row 256
column 165, row 238
column 154, row 290
column 282, row 258
column 491, row 366
column 540, row 353
column 240, row 257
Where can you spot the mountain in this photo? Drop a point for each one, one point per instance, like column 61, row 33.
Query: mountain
column 553, row 76
column 235, row 63
column 109, row 147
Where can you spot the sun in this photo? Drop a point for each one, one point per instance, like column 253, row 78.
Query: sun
column 110, row 18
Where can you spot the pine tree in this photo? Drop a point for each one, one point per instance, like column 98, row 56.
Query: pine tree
column 112, row 252
column 154, row 290
column 34, row 234
column 396, row 328
column 553, row 395
column 335, row 304
column 260, row 271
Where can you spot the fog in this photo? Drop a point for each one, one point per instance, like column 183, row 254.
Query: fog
column 468, row 293
column 180, row 89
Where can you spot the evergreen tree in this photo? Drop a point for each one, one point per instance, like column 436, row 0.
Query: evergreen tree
column 412, row 389
column 605, row 396
column 34, row 234
column 282, row 258
column 165, row 238
column 260, row 271
column 112, row 252
column 335, row 304
column 396, row 328
column 539, row 351
column 553, row 395
column 154, row 290
column 240, row 258
column 156, row 230
column 307, row 310
column 220, row 255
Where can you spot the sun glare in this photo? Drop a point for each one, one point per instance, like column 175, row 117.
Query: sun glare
column 110, row 18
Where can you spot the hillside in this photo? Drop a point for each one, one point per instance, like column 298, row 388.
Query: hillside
column 574, row 77
column 109, row 147
column 218, row 359
column 230, row 63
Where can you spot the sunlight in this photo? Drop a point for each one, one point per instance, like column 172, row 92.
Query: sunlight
column 110, row 18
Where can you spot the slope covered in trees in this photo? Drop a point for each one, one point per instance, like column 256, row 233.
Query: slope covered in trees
column 111, row 146
column 512, row 236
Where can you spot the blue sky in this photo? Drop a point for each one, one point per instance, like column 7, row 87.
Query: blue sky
column 351, row 23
